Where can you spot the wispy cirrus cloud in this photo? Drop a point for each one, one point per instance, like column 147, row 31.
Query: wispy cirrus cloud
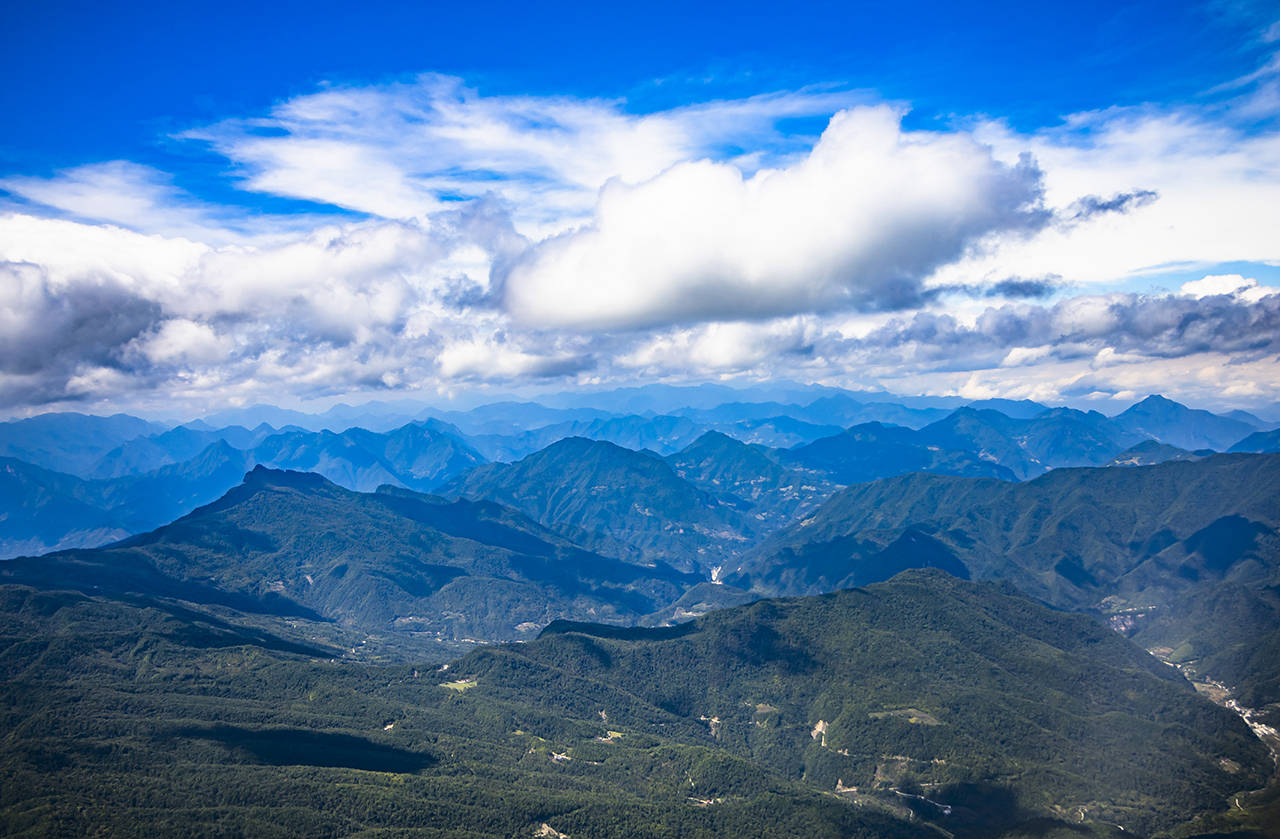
column 409, row 149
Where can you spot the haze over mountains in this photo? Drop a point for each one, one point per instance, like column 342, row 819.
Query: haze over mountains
column 972, row 600
column 119, row 475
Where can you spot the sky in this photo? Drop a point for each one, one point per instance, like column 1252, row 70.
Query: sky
column 209, row 205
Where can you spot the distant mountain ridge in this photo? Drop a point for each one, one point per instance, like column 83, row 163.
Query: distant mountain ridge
column 162, row 473
column 1173, row 423
column 65, row 511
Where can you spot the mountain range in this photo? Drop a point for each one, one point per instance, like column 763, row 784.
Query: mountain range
column 1000, row 619
column 134, row 475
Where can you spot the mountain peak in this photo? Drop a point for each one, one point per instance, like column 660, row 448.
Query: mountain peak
column 1157, row 400
column 264, row 476
column 714, row 441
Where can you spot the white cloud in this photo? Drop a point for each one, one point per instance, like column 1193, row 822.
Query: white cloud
column 493, row 360
column 408, row 149
column 1234, row 285
column 858, row 223
column 118, row 192
column 1216, row 184
column 509, row 238
column 182, row 340
column 718, row 348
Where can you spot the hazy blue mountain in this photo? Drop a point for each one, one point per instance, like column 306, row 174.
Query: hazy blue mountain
column 513, row 418
column 69, row 442
column 146, row 501
column 733, row 412
column 846, row 409
column 1015, row 408
column 416, row 456
column 777, row 432
column 1173, row 423
column 664, row 434
column 750, row 479
column 337, row 457
column 1249, row 419
column 144, row 454
column 256, row 415
column 874, row 450
column 1029, row 447
column 991, row 708
column 292, row 543
column 57, row 506
column 1259, row 441
column 420, row 455
column 662, row 398
column 377, row 415
column 45, row 511
column 1067, row 437
column 1150, row 452
column 614, row 500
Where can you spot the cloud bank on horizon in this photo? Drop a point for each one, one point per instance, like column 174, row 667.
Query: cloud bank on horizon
column 461, row 240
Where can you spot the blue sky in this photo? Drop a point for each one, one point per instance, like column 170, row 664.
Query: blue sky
column 304, row 202
column 92, row 81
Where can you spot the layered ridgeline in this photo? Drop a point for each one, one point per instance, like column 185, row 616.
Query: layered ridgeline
column 1173, row 423
column 897, row 710
column 189, row 467
column 1153, row 547
column 138, row 475
column 396, row 564
column 1259, row 441
column 872, row 450
column 1073, row 537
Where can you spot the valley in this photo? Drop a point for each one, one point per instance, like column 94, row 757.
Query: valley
column 931, row 629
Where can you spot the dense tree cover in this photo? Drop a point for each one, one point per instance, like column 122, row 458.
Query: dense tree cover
column 955, row 684
column 817, row 716
column 750, row 478
column 290, row 543
column 614, row 500
column 1180, row 552
column 1073, row 536
column 130, row 720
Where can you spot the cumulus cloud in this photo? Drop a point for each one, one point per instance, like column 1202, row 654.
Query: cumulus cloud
column 859, row 223
column 719, row 348
column 494, row 240
column 1147, row 326
column 497, row 360
column 50, row 335
column 1243, row 288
